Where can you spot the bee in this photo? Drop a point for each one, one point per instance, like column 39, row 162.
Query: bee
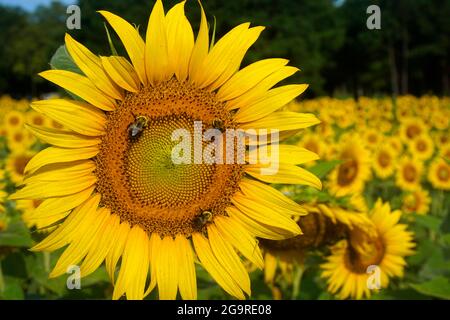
column 218, row 124
column 201, row 220
column 135, row 129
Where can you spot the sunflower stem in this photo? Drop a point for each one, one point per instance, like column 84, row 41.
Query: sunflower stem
column 2, row 282
column 298, row 273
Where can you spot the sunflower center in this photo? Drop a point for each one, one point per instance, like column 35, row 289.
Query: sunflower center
column 37, row 120
column 384, row 159
column 412, row 131
column 14, row 120
column 360, row 257
column 421, row 146
column 137, row 175
column 20, row 163
column 347, row 172
column 409, row 172
column 443, row 173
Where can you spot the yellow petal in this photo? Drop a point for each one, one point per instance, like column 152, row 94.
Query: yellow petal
column 273, row 100
column 289, row 154
column 55, row 206
column 214, row 268
column 82, row 241
column 261, row 88
column 80, row 86
column 132, row 41
column 91, row 66
column 201, row 46
column 283, row 120
column 180, row 40
column 254, row 188
column 156, row 54
column 284, row 173
column 68, row 230
column 187, row 280
column 53, row 155
column 103, row 242
column 228, row 258
column 166, row 267
column 249, row 77
column 259, row 212
column 50, row 189
column 256, row 228
column 134, row 268
column 75, row 115
column 235, row 234
column 62, row 138
column 61, row 171
column 122, row 72
column 120, row 238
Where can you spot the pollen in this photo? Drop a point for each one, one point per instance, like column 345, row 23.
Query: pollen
column 139, row 180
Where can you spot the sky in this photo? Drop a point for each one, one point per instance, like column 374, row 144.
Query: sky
column 30, row 5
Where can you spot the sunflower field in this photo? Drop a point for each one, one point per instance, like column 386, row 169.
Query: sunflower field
column 130, row 181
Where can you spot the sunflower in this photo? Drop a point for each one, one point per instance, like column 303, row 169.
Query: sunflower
column 412, row 127
column 16, row 163
column 409, row 173
column 348, row 269
column 111, row 171
column 35, row 118
column 372, row 138
column 422, row 147
column 350, row 176
column 439, row 174
column 384, row 161
column 314, row 143
column 324, row 224
column 14, row 120
column 417, row 201
column 19, row 140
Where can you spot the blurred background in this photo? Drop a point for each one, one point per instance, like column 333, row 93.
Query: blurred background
column 327, row 39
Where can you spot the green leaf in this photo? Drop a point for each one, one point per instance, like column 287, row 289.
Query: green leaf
column 323, row 168
column 12, row 289
column 429, row 222
column 438, row 287
column 61, row 60
column 16, row 235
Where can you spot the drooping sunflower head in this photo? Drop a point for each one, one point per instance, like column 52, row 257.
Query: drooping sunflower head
column 439, row 174
column 365, row 262
column 136, row 175
column 409, row 173
column 350, row 176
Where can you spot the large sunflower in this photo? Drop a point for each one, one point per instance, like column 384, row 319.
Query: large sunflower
column 112, row 176
column 349, row 266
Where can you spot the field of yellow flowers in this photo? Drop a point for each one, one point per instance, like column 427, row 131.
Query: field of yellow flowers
column 378, row 229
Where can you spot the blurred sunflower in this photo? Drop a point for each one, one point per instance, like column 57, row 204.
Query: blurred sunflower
column 16, row 163
column 410, row 128
column 125, row 198
column 14, row 120
column 350, row 176
column 422, row 147
column 347, row 268
column 439, row 174
column 372, row 138
column 314, row 143
column 19, row 140
column 3, row 193
column 409, row 173
column 35, row 118
column 417, row 201
column 384, row 161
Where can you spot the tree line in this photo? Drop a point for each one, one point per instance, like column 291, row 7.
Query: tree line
column 328, row 40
